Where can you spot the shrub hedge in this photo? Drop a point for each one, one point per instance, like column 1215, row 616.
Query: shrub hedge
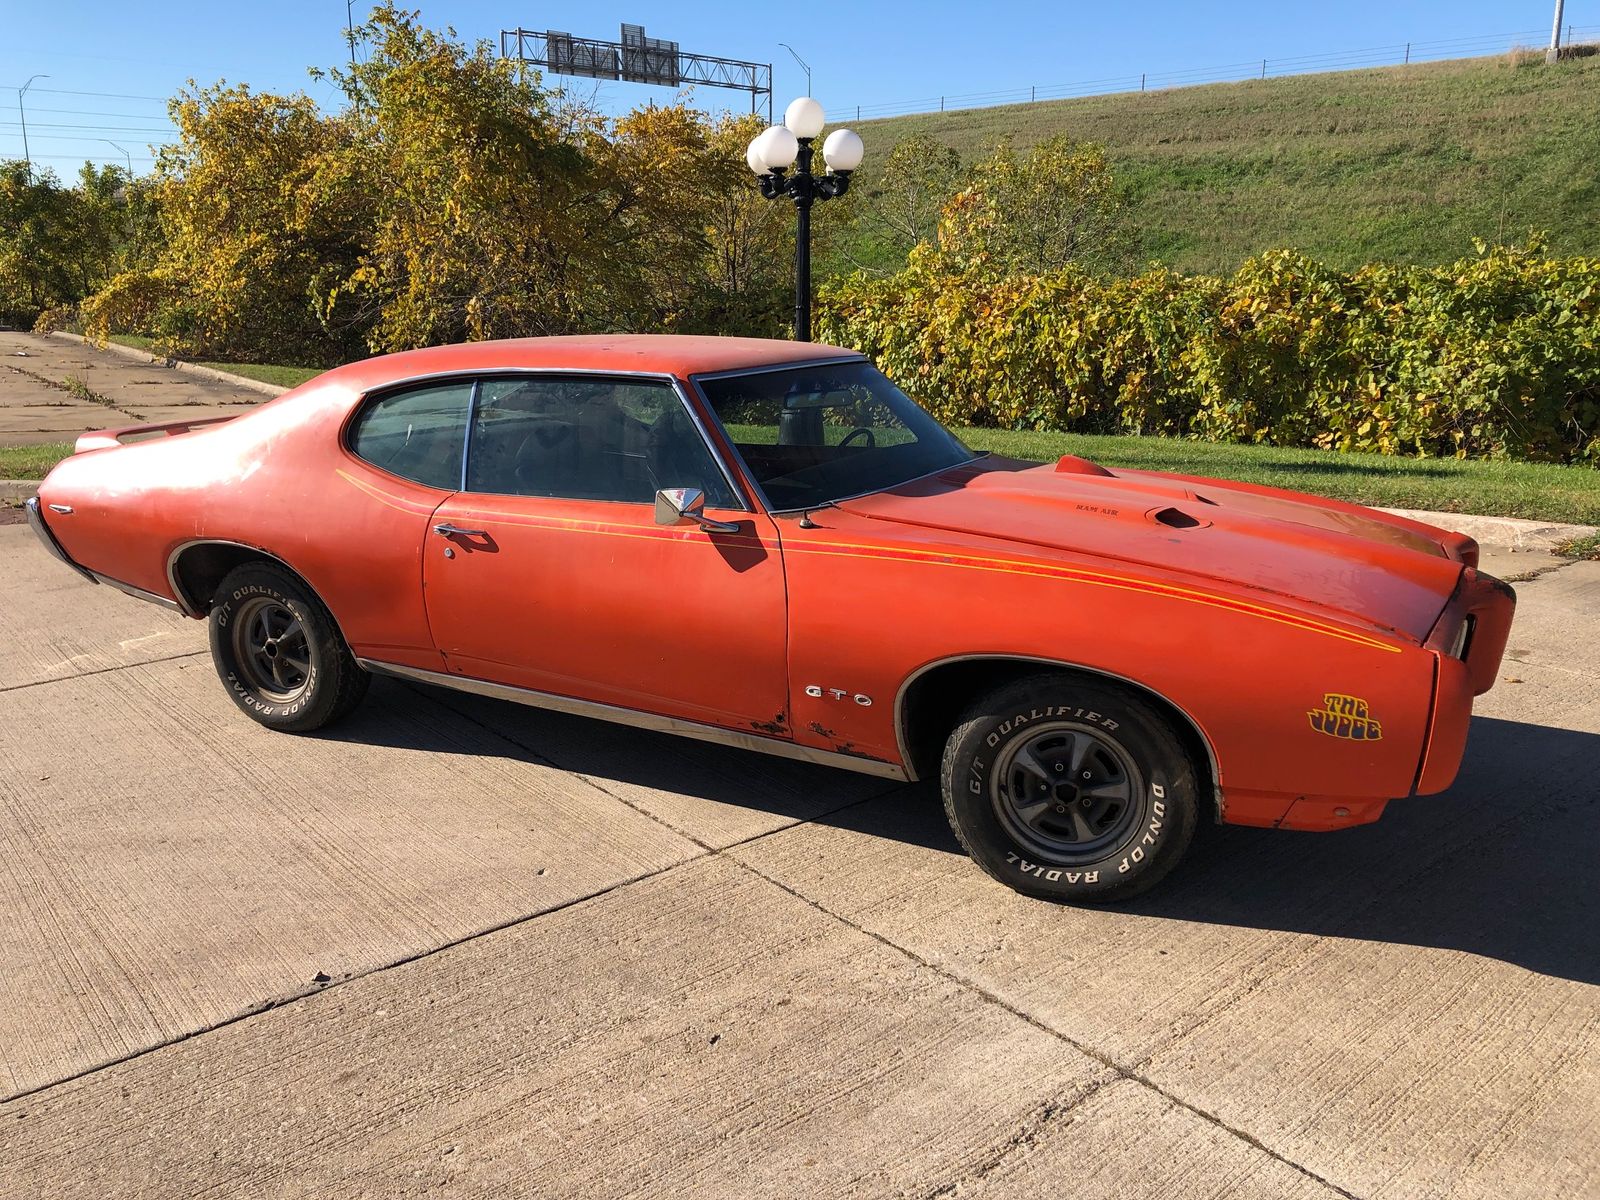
column 1492, row 356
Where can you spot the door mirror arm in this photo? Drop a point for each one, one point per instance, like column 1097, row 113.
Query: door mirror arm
column 687, row 506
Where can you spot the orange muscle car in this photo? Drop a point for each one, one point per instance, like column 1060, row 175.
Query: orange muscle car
column 767, row 544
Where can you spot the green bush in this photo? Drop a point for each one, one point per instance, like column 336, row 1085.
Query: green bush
column 1493, row 356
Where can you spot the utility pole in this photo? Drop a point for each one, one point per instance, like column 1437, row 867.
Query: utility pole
column 21, row 92
column 802, row 63
column 1554, row 53
column 350, row 29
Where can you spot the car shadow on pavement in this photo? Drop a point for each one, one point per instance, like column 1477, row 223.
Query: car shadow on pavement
column 620, row 758
column 1506, row 864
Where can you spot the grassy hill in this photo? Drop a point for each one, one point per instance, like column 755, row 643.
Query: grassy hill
column 1401, row 163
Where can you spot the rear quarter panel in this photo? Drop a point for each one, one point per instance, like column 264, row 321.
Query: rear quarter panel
column 276, row 479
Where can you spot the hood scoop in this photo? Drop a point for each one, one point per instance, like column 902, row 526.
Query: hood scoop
column 1176, row 518
column 1071, row 464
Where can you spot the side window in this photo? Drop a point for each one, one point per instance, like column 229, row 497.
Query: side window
column 581, row 438
column 417, row 434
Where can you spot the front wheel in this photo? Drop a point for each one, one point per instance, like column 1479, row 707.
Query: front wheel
column 1069, row 789
column 279, row 653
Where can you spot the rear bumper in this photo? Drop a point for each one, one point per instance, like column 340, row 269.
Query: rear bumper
column 36, row 522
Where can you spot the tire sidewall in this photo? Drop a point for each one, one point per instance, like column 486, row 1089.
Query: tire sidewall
column 237, row 591
column 1163, row 824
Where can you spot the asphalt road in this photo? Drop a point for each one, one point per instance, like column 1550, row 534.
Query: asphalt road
column 461, row 948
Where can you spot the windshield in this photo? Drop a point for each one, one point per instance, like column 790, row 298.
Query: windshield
column 812, row 435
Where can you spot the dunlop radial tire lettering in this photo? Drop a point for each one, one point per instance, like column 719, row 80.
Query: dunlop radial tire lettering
column 1069, row 788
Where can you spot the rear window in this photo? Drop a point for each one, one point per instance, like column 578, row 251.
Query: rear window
column 418, row 434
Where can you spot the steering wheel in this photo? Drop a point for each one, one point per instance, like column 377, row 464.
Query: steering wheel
column 859, row 431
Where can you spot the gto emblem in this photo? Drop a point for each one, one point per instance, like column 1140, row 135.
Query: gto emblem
column 816, row 693
column 1346, row 717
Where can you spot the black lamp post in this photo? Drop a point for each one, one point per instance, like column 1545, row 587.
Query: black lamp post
column 772, row 155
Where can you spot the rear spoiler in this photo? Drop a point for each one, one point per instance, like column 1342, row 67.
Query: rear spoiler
column 102, row 439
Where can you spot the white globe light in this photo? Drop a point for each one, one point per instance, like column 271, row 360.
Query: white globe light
column 843, row 150
column 805, row 117
column 752, row 155
column 777, row 147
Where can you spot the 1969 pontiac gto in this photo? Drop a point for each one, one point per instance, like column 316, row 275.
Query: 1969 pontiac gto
column 767, row 544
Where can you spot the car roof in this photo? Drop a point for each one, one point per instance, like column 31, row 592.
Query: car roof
column 656, row 353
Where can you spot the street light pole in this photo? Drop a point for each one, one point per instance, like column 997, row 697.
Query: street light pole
column 807, row 69
column 23, row 117
column 804, row 189
column 125, row 155
column 789, row 145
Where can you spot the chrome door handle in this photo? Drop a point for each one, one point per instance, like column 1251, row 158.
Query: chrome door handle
column 449, row 530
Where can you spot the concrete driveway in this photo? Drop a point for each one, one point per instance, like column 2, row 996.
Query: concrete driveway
column 457, row 947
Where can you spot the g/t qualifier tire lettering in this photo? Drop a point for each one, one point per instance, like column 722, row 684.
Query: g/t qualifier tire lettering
column 1069, row 789
column 331, row 685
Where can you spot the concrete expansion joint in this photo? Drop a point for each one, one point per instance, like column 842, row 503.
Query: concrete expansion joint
column 1121, row 1071
column 60, row 385
column 147, row 662
column 270, row 1003
column 295, row 997
column 1053, row 1110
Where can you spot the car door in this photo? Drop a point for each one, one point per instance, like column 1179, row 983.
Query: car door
column 364, row 551
column 549, row 572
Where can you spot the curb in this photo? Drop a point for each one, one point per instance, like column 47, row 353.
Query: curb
column 175, row 364
column 1500, row 531
column 18, row 489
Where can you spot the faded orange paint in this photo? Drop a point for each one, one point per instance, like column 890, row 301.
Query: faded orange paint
column 1248, row 616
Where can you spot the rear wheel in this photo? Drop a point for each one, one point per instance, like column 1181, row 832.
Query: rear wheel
column 1069, row 789
column 279, row 653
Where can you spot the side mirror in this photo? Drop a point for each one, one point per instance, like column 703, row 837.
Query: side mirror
column 687, row 506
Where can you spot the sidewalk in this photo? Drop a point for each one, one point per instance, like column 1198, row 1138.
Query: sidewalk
column 55, row 388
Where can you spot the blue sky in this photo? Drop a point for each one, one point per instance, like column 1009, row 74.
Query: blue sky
column 875, row 55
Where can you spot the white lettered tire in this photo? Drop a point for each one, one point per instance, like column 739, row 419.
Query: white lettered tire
column 279, row 653
column 1068, row 787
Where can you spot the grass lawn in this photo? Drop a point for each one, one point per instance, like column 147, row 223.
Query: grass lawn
column 263, row 372
column 31, row 462
column 1503, row 489
column 1401, row 163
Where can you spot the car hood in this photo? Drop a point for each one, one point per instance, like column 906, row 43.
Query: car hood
column 1387, row 573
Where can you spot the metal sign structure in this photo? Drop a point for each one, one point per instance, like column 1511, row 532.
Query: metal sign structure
column 636, row 59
